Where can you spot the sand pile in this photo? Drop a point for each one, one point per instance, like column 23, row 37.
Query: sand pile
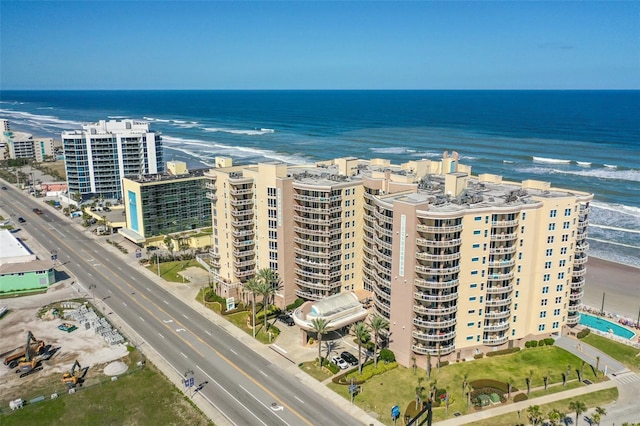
column 115, row 368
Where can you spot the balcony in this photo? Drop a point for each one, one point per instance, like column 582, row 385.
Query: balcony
column 433, row 337
column 431, row 243
column 577, row 282
column 324, row 286
column 424, row 350
column 493, row 341
column 499, row 289
column 503, row 250
column 502, row 326
column 382, row 294
column 502, row 263
column 383, row 244
column 436, row 285
column 243, row 191
column 498, row 302
column 573, row 319
column 445, row 229
column 383, row 218
column 384, row 309
column 504, row 237
column 382, row 230
column 210, row 184
column 580, row 260
column 435, row 298
column 241, row 202
column 325, row 198
column 319, row 209
column 437, row 257
column 434, row 324
column 437, row 271
column 243, row 233
column 242, row 213
column 308, row 295
column 500, row 277
column 497, row 314
column 576, row 296
column 312, row 253
column 314, row 243
column 241, row 223
column 320, row 275
column 243, row 243
column 504, row 223
column 244, row 263
column 243, row 273
column 423, row 310
column 212, row 196
column 581, row 248
column 320, row 220
column 579, row 272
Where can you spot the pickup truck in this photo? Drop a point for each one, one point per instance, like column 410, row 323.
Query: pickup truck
column 37, row 211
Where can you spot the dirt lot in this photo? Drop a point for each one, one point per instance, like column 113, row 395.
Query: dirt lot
column 82, row 345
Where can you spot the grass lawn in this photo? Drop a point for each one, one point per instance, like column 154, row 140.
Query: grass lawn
column 144, row 396
column 618, row 351
column 397, row 387
column 595, row 399
column 312, row 369
column 169, row 270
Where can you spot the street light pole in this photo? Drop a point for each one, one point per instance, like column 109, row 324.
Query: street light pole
column 93, row 294
column 158, row 262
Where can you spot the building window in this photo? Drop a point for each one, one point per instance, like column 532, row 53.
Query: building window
column 543, row 314
column 547, row 265
column 565, row 225
column 559, row 287
column 556, row 312
column 477, row 218
column 543, row 302
column 541, row 327
column 475, row 259
column 545, row 289
column 565, row 238
column 552, row 227
column 550, row 239
column 474, row 285
column 524, row 215
column 546, row 277
column 549, row 252
column 562, row 263
column 553, row 213
column 563, row 250
column 472, row 299
column 560, row 275
column 471, row 324
column 474, row 272
column 475, row 246
column 273, row 245
column 555, row 325
column 567, row 212
column 476, row 232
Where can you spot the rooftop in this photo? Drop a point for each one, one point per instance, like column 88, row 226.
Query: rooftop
column 11, row 247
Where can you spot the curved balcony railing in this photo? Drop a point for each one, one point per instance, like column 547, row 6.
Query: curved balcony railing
column 503, row 250
column 308, row 295
column 241, row 202
column 321, row 275
column 384, row 244
column 434, row 324
column 438, row 257
column 312, row 253
column 430, row 243
column 382, row 294
column 582, row 235
column 435, row 298
column 242, row 264
column 573, row 319
column 499, row 289
column 497, row 327
column 435, row 285
column 433, row 337
column 212, row 196
column 504, row 223
column 579, row 272
column 576, row 296
column 581, row 248
column 240, row 223
column 498, row 302
column 423, row 350
column 242, row 213
column 243, row 191
column 382, row 217
column 314, row 243
column 577, row 282
column 580, row 260
column 316, row 199
column 382, row 230
column 317, row 286
column 437, row 271
column 419, row 309
column 504, row 237
column 500, row 277
column 497, row 314
column 243, row 233
column 492, row 341
column 243, row 243
column 447, row 229
column 502, row 263
column 382, row 308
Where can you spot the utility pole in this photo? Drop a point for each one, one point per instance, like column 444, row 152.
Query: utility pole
column 602, row 308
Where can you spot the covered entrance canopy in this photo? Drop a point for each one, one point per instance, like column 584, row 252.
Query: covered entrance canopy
column 339, row 310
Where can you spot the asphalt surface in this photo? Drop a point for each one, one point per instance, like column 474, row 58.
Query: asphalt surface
column 244, row 387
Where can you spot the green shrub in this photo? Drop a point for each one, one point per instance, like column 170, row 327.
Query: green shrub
column 493, row 384
column 505, row 351
column 368, row 373
column 549, row 341
column 583, row 333
column 541, row 342
column 298, row 302
column 520, row 397
column 478, row 356
column 387, row 356
column 444, row 363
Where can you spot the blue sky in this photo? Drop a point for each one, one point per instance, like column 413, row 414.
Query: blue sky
column 319, row 45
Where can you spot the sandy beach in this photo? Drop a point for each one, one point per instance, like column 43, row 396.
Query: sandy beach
column 619, row 283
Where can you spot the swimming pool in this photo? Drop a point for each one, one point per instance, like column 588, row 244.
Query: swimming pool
column 605, row 326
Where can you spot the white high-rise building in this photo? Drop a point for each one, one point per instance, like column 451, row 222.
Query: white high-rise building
column 101, row 154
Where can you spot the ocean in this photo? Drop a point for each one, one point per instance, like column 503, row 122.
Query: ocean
column 582, row 140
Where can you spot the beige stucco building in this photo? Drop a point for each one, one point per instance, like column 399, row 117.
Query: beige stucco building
column 457, row 263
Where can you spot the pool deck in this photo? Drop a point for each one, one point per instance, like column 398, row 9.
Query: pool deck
column 634, row 333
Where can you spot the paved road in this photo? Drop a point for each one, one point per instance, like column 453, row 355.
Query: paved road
column 242, row 385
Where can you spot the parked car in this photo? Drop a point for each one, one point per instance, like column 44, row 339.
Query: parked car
column 21, row 220
column 286, row 319
column 340, row 362
column 349, row 358
column 4, row 187
column 37, row 211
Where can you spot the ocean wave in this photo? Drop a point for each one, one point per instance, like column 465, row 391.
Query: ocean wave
column 583, row 163
column 618, row 208
column 615, row 243
column 615, row 228
column 550, row 160
column 391, row 150
column 40, row 119
column 610, row 166
column 631, row 175
column 234, row 151
column 239, row 132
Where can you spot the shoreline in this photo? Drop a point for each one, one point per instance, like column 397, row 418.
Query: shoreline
column 617, row 283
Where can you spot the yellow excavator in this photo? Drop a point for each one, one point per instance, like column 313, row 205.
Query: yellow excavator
column 75, row 376
column 33, row 345
column 29, row 364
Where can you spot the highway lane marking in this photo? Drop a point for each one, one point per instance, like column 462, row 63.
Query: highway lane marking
column 298, row 399
column 124, row 304
column 219, row 410
column 142, row 319
column 178, row 330
column 147, row 289
column 184, row 355
column 263, row 373
column 264, row 405
column 119, row 268
column 167, row 321
column 208, row 332
column 152, row 314
column 233, row 351
column 232, row 397
column 185, row 316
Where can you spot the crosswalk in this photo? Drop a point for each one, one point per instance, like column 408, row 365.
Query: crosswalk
column 627, row 378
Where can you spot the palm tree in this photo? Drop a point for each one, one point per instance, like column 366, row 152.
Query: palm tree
column 555, row 417
column 167, row 242
column 378, row 324
column 414, row 365
column 581, row 371
column 433, row 388
column 600, row 413
column 464, row 381
column 428, row 365
column 252, row 286
column 509, row 385
column 577, row 407
column 597, row 364
column 271, row 285
column 529, row 380
column 361, row 331
column 320, row 326
column 265, row 290
column 565, row 377
column 439, row 354
column 534, row 414
column 469, row 390
column 546, row 380
column 419, row 390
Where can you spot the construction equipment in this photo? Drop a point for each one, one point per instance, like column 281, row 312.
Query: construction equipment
column 75, row 376
column 65, row 326
column 28, row 364
column 12, row 361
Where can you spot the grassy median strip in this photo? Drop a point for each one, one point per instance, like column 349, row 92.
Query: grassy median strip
column 626, row 354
